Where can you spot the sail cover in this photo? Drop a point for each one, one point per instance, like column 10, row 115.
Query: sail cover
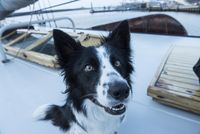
column 8, row 6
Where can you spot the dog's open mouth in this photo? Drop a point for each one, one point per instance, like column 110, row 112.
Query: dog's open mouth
column 114, row 110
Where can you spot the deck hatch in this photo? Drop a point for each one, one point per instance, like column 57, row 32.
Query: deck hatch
column 175, row 83
column 38, row 46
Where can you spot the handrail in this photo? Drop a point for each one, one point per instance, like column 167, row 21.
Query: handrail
column 26, row 24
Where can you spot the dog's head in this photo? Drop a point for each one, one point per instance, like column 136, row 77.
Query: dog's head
column 98, row 73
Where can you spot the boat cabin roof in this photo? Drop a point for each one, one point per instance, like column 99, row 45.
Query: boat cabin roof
column 24, row 86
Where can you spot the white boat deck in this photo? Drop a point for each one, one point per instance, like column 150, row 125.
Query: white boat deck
column 24, row 86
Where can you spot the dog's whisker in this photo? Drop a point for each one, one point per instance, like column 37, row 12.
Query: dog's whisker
column 89, row 95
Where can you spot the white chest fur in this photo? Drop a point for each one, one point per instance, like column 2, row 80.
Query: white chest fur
column 96, row 122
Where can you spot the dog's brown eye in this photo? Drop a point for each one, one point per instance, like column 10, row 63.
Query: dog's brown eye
column 117, row 63
column 89, row 68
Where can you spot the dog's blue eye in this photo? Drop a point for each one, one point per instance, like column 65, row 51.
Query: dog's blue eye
column 117, row 63
column 88, row 68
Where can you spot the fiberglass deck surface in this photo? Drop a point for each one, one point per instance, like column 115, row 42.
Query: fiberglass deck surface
column 24, row 86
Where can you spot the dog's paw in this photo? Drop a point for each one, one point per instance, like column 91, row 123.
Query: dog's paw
column 40, row 112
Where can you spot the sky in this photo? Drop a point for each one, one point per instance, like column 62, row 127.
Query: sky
column 87, row 3
column 81, row 3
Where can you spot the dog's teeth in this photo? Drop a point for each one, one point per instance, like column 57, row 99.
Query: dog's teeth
column 116, row 109
column 122, row 107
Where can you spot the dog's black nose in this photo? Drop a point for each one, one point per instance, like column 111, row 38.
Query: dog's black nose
column 119, row 90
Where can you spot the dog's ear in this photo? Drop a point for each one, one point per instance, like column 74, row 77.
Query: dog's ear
column 65, row 45
column 120, row 36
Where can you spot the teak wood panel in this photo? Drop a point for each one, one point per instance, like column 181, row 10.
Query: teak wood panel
column 41, row 58
column 175, row 83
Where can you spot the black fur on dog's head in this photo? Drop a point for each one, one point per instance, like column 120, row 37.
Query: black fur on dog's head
column 82, row 65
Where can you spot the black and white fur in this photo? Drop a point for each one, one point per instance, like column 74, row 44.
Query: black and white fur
column 98, row 84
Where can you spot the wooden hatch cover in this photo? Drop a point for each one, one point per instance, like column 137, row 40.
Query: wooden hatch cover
column 38, row 47
column 175, row 83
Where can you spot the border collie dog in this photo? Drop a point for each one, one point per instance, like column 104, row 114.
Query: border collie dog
column 98, row 83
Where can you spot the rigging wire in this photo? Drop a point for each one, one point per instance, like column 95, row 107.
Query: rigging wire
column 45, row 45
column 42, row 13
column 43, row 10
column 29, row 24
column 52, row 14
column 28, row 28
column 38, row 16
column 57, row 5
